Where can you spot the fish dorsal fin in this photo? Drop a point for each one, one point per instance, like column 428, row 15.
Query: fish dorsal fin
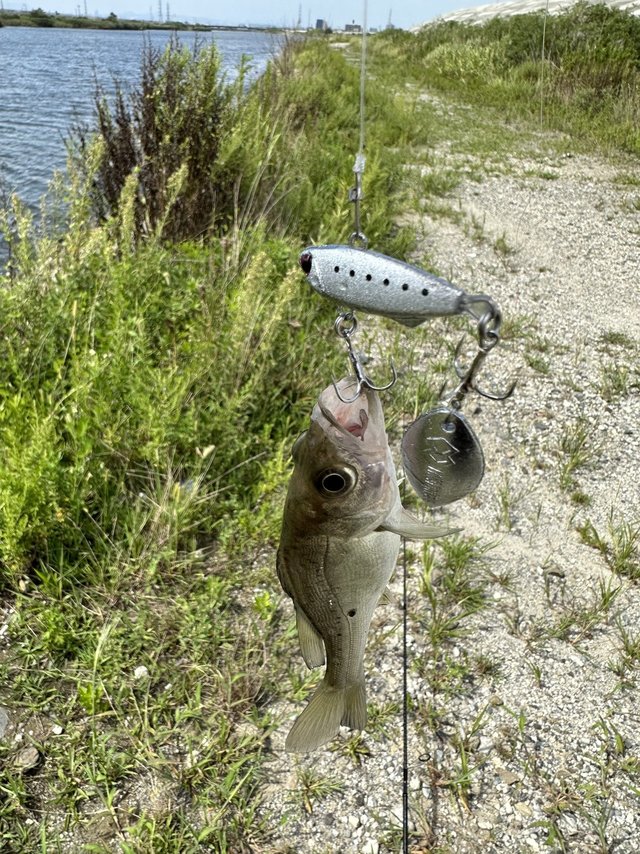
column 403, row 523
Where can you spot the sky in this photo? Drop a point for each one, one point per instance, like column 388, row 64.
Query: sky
column 337, row 13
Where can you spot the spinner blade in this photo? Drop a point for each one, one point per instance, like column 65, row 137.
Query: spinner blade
column 442, row 457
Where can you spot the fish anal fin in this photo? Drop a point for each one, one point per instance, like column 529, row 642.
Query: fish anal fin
column 319, row 722
column 311, row 644
column 355, row 707
column 406, row 525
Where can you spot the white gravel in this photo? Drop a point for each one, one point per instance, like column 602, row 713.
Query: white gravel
column 550, row 723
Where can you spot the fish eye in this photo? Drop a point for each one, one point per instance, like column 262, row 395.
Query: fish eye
column 336, row 481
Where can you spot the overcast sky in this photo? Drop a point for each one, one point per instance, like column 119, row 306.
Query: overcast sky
column 405, row 14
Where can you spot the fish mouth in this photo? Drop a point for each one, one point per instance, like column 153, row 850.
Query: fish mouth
column 360, row 422
column 355, row 427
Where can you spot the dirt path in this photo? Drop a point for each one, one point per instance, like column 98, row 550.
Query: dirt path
column 525, row 646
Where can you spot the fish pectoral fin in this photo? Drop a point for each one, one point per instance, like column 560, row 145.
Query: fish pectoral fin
column 406, row 525
column 311, row 644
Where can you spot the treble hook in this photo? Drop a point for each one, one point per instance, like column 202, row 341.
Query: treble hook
column 488, row 337
column 345, row 326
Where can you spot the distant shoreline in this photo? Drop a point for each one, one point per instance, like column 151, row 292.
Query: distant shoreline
column 55, row 20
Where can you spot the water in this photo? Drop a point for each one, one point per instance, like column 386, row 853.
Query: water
column 47, row 83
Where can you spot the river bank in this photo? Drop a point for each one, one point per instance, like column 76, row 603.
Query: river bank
column 160, row 353
column 39, row 18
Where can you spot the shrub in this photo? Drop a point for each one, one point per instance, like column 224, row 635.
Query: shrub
column 167, row 133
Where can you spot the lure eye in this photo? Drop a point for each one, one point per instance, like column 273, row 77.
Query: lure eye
column 305, row 262
column 336, row 482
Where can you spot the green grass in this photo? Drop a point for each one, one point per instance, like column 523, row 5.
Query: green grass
column 587, row 86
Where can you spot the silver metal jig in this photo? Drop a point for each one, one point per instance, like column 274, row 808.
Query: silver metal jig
column 345, row 326
column 488, row 337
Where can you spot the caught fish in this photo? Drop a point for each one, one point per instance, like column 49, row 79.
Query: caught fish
column 378, row 284
column 341, row 531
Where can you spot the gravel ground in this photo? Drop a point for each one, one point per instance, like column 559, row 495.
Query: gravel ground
column 525, row 722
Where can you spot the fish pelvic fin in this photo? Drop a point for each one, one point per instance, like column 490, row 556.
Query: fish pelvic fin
column 311, row 644
column 328, row 708
column 406, row 525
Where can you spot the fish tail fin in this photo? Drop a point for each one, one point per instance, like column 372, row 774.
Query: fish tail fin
column 355, row 707
column 328, row 708
column 319, row 722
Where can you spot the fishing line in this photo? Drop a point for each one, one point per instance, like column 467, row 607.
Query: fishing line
column 405, row 708
column 363, row 76
column 355, row 194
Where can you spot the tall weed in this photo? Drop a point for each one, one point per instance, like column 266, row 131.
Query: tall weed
column 590, row 68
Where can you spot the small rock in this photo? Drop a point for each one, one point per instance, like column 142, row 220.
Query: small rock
column 141, row 672
column 4, row 721
column 101, row 826
column 524, row 809
column 508, row 776
column 56, row 729
column 370, row 847
column 26, row 759
column 485, row 745
column 354, row 821
column 397, row 817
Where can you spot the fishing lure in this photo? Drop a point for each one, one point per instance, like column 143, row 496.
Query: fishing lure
column 379, row 284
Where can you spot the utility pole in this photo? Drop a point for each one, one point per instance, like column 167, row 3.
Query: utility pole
column 160, row 11
column 86, row 14
column 168, row 12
